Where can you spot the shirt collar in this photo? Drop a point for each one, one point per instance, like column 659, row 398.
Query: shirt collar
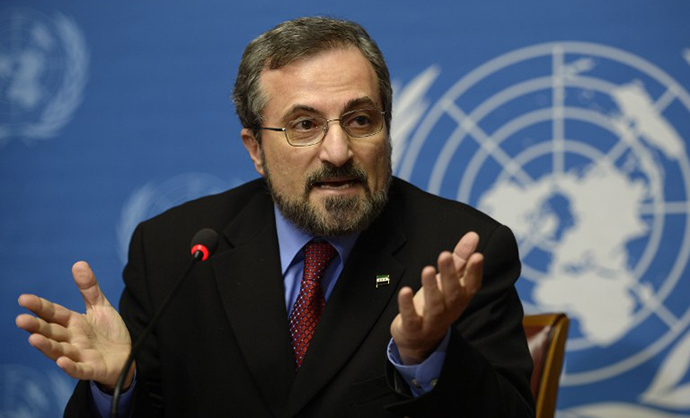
column 291, row 239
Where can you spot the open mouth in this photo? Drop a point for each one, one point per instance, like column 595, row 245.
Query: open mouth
column 331, row 178
column 336, row 184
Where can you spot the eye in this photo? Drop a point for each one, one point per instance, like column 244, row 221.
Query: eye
column 304, row 124
column 360, row 121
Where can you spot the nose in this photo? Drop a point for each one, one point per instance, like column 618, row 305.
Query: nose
column 335, row 147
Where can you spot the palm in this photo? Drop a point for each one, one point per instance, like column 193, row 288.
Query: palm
column 102, row 338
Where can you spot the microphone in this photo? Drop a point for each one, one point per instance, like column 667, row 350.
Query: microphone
column 203, row 245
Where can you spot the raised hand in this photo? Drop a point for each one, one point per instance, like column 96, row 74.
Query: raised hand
column 446, row 291
column 91, row 346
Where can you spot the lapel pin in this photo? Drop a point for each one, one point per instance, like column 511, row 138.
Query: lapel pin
column 383, row 280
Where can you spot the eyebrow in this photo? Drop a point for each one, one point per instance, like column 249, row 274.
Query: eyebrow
column 287, row 117
column 350, row 105
column 359, row 102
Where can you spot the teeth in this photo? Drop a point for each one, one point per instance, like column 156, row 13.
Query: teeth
column 335, row 185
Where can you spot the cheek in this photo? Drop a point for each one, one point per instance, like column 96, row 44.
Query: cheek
column 287, row 171
column 377, row 163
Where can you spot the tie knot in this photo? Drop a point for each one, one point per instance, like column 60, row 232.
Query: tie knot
column 317, row 256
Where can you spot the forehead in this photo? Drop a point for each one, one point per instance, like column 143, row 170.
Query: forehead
column 326, row 82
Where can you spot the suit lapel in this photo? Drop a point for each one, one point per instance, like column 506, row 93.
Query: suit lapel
column 250, row 283
column 353, row 308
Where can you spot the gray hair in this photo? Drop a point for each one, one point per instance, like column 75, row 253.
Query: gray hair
column 295, row 39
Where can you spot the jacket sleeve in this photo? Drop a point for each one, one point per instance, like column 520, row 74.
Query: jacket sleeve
column 488, row 365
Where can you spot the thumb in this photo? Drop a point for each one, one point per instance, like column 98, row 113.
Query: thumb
column 88, row 286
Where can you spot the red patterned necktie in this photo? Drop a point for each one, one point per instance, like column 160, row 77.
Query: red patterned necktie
column 310, row 301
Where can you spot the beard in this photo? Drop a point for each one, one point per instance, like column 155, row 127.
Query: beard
column 341, row 215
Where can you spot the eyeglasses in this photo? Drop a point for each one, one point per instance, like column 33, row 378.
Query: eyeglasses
column 306, row 131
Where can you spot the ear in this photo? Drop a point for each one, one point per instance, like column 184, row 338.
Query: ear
column 254, row 149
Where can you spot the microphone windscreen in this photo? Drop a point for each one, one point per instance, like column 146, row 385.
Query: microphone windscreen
column 207, row 238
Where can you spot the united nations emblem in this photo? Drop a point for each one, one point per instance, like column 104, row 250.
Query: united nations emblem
column 43, row 71
column 581, row 149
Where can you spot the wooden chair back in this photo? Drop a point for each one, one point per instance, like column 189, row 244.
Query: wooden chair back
column 546, row 337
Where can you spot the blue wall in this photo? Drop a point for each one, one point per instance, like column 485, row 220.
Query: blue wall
column 567, row 120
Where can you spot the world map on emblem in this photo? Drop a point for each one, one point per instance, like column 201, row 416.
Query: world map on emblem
column 585, row 160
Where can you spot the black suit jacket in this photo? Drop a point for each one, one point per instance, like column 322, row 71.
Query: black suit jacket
column 222, row 348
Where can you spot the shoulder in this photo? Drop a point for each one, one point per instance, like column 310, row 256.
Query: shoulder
column 214, row 211
column 432, row 208
column 437, row 222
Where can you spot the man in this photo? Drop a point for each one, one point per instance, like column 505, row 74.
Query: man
column 261, row 330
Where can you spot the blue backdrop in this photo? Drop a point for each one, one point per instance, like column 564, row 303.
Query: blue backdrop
column 567, row 120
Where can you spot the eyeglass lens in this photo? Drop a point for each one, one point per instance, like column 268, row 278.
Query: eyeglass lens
column 359, row 123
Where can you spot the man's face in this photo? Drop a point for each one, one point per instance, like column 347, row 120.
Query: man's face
column 341, row 184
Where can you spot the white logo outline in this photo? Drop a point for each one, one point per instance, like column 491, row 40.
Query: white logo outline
column 445, row 106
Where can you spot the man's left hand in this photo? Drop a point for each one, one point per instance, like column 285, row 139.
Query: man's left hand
column 446, row 291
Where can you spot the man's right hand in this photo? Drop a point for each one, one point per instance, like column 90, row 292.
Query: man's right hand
column 92, row 346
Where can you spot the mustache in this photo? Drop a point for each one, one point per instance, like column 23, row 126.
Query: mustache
column 329, row 172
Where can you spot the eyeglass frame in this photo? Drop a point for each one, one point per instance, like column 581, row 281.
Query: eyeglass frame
column 325, row 127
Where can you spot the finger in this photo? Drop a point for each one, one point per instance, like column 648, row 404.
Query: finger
column 410, row 318
column 465, row 248
column 43, row 308
column 27, row 322
column 472, row 279
column 77, row 370
column 434, row 304
column 467, row 245
column 87, row 284
column 449, row 276
column 39, row 326
column 52, row 349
